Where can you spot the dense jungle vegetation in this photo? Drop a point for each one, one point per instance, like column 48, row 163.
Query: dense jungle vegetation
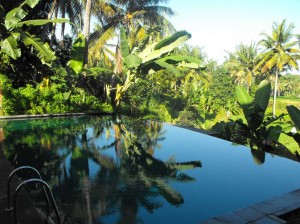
column 134, row 62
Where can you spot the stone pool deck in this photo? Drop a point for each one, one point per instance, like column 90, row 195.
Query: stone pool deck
column 266, row 212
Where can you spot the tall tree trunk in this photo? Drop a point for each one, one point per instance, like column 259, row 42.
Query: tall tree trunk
column 63, row 25
column 275, row 92
column 50, row 14
column 53, row 28
column 86, row 32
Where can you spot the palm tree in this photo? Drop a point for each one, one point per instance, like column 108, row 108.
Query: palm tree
column 241, row 64
column 280, row 52
column 100, row 52
column 137, row 16
column 65, row 8
column 133, row 12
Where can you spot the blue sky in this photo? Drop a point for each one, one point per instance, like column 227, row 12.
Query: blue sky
column 220, row 25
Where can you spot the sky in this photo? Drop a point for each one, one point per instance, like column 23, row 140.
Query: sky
column 218, row 26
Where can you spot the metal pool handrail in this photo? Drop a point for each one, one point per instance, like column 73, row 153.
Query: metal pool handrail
column 9, row 208
column 45, row 185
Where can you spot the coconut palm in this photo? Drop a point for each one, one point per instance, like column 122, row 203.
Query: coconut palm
column 241, row 64
column 63, row 8
column 143, row 18
column 133, row 12
column 280, row 53
column 100, row 52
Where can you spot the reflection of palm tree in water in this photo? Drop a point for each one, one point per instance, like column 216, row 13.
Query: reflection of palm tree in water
column 145, row 176
column 138, row 180
column 153, row 134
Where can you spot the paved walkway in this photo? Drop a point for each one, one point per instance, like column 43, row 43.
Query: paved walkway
column 266, row 212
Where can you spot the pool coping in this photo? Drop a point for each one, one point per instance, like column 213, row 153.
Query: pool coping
column 23, row 116
column 263, row 212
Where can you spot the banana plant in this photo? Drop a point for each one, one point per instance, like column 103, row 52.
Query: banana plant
column 258, row 128
column 75, row 72
column 294, row 113
column 155, row 57
column 11, row 35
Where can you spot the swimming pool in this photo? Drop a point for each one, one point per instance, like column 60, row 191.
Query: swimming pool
column 105, row 170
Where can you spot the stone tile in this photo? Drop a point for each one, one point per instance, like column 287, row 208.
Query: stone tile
column 295, row 192
column 283, row 202
column 277, row 219
column 212, row 221
column 288, row 209
column 265, row 220
column 231, row 218
column 249, row 214
column 265, row 208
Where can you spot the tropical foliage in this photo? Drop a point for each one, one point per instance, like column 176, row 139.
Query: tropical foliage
column 280, row 53
column 132, row 61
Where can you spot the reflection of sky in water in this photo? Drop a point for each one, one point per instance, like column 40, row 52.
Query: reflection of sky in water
column 229, row 179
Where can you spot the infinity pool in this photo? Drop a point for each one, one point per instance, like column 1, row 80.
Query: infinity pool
column 105, row 170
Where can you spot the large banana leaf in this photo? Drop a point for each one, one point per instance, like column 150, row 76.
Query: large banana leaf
column 180, row 58
column 169, row 40
column 294, row 113
column 262, row 95
column 244, row 100
column 124, row 43
column 261, row 102
column 183, row 61
column 44, row 51
column 14, row 16
column 165, row 46
column 132, row 61
column 40, row 22
column 168, row 66
column 10, row 47
column 77, row 54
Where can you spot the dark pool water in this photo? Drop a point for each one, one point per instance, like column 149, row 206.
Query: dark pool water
column 105, row 170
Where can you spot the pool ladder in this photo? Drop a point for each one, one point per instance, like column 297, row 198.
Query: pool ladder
column 46, row 190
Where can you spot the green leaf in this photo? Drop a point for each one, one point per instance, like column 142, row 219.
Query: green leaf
column 97, row 70
column 40, row 22
column 262, row 95
column 45, row 53
column 273, row 132
column 261, row 102
column 124, row 43
column 169, row 67
column 169, row 40
column 31, row 3
column 173, row 59
column 66, row 95
column 244, row 100
column 165, row 46
column 77, row 54
column 14, row 16
column 132, row 61
column 10, row 47
column 294, row 113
